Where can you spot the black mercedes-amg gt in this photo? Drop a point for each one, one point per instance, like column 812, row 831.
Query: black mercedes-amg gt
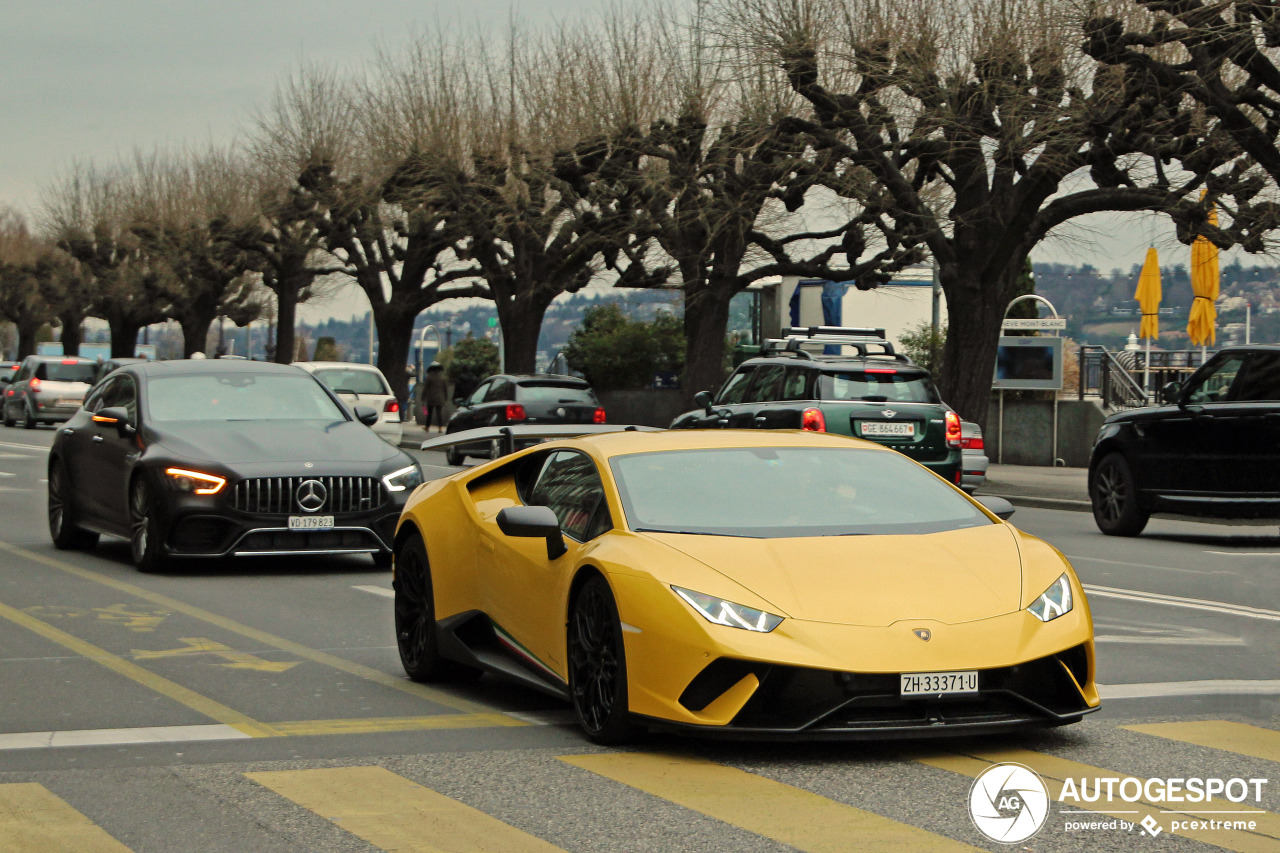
column 224, row 457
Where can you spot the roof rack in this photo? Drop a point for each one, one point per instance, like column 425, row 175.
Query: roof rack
column 860, row 339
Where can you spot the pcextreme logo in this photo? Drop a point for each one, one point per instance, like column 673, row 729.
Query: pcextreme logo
column 1009, row 803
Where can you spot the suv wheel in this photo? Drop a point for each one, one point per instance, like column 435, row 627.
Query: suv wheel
column 1113, row 491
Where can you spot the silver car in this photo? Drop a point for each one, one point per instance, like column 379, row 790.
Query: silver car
column 47, row 389
column 973, row 457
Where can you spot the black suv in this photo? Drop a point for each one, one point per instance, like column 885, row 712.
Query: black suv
column 1211, row 451
column 508, row 399
column 872, row 393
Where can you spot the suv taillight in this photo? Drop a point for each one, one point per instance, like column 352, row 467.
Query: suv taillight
column 813, row 420
column 973, row 443
column 953, row 429
column 515, row 412
column 35, row 384
column 598, row 416
column 391, row 406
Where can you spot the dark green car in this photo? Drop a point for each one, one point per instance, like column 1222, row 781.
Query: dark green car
column 879, row 396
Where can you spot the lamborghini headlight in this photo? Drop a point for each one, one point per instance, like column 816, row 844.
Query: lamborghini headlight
column 195, row 482
column 1054, row 601
column 723, row 612
column 405, row 478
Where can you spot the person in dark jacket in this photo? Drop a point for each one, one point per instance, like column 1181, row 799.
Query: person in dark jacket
column 434, row 395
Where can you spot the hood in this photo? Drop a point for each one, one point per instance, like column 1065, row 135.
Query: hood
column 951, row 577
column 245, row 442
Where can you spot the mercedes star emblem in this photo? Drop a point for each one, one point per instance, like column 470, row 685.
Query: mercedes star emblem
column 922, row 633
column 311, row 495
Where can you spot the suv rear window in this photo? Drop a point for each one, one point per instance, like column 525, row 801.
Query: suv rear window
column 551, row 393
column 877, row 385
column 56, row 371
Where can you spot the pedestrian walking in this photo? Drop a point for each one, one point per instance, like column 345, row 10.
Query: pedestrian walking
column 434, row 395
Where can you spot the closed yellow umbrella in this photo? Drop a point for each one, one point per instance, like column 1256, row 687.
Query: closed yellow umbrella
column 1148, row 296
column 1204, row 284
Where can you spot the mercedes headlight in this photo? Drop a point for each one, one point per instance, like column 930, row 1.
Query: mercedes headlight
column 1054, row 601
column 723, row 612
column 406, row 478
column 196, row 482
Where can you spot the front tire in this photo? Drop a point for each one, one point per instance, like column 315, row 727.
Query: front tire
column 8, row 418
column 29, row 419
column 1113, row 491
column 62, row 527
column 415, row 615
column 145, row 531
column 598, row 665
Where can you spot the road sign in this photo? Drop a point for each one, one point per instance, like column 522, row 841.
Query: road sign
column 1037, row 323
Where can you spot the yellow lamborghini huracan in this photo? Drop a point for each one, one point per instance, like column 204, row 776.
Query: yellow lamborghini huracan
column 744, row 583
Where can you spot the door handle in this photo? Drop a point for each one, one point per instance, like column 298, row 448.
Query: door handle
column 97, row 439
column 760, row 421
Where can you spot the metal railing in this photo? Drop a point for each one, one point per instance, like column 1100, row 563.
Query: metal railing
column 1102, row 375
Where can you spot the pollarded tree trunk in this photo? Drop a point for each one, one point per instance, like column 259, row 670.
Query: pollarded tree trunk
column 706, row 322
column 286, row 318
column 395, row 333
column 521, row 322
column 27, row 332
column 975, row 309
column 195, row 333
column 72, row 332
column 124, row 336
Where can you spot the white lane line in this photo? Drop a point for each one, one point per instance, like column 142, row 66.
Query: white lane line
column 1171, row 641
column 1157, row 689
column 116, row 737
column 1245, row 553
column 1074, row 557
column 1178, row 601
column 383, row 591
column 30, row 448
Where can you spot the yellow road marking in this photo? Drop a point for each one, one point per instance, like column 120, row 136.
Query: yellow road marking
column 393, row 813
column 1219, row 734
column 384, row 679
column 1056, row 770
column 33, row 820
column 201, row 646
column 394, row 724
column 139, row 620
column 789, row 815
column 182, row 695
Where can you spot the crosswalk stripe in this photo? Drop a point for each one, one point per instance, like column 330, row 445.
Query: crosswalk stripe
column 793, row 816
column 34, row 820
column 394, row 813
column 1055, row 770
column 1240, row 738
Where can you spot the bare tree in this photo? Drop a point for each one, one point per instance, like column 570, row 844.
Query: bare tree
column 21, row 300
column 85, row 213
column 178, row 205
column 67, row 290
column 985, row 131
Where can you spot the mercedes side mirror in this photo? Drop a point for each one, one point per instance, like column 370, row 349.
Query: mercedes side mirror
column 115, row 416
column 703, row 399
column 366, row 415
column 1169, row 393
column 534, row 522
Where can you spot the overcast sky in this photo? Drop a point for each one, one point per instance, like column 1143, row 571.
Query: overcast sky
column 93, row 79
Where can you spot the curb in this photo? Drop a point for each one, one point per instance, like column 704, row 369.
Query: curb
column 1049, row 503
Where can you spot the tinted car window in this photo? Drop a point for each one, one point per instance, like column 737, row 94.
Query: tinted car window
column 571, row 486
column 74, row 372
column 478, row 395
column 796, row 385
column 736, row 387
column 353, row 381
column 551, row 393
column 774, row 492
column 1214, row 386
column 877, row 385
column 1261, row 380
column 122, row 393
column 499, row 391
column 768, row 384
column 231, row 397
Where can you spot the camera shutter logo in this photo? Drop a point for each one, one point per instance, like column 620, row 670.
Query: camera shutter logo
column 1009, row 803
column 311, row 495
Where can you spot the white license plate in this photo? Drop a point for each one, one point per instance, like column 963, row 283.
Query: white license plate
column 934, row 683
column 68, row 404
column 310, row 522
column 888, row 428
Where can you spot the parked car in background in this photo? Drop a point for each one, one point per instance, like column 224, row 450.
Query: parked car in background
column 507, row 399
column 8, row 369
column 365, row 385
column 210, row 458
column 47, row 389
column 1211, row 450
column 973, row 456
column 872, row 393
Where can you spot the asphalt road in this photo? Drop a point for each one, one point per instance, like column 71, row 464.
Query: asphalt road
column 260, row 706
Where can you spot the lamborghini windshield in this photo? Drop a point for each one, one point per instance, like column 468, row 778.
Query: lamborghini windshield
column 774, row 492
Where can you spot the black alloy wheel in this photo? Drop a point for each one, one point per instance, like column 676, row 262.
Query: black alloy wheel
column 145, row 533
column 415, row 616
column 1113, row 491
column 62, row 527
column 29, row 417
column 598, row 666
